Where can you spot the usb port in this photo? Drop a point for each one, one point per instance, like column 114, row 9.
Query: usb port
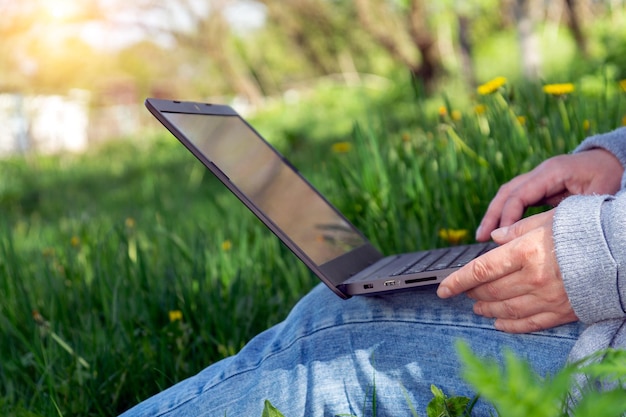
column 368, row 286
column 390, row 283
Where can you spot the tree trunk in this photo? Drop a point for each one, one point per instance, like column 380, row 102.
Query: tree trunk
column 465, row 46
column 431, row 66
column 575, row 26
column 529, row 44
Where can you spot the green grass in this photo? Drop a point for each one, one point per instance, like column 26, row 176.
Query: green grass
column 97, row 250
column 104, row 251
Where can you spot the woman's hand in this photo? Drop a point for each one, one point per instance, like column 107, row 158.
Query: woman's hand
column 595, row 171
column 518, row 283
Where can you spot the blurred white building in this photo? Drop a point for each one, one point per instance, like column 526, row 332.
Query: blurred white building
column 44, row 123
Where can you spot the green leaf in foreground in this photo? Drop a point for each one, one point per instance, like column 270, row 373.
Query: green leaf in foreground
column 517, row 391
column 605, row 403
column 514, row 389
column 444, row 406
column 270, row 411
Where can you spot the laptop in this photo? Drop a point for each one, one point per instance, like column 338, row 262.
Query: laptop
column 304, row 220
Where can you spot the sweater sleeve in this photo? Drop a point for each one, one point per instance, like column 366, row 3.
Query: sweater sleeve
column 614, row 142
column 590, row 243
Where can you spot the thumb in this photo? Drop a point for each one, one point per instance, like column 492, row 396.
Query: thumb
column 501, row 235
column 508, row 233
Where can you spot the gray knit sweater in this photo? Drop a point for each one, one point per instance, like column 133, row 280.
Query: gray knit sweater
column 590, row 244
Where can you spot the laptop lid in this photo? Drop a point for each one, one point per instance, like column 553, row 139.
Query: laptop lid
column 312, row 228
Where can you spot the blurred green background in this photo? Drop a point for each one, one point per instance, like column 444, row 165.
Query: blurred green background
column 122, row 260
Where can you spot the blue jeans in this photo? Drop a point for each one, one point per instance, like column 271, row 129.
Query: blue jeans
column 333, row 356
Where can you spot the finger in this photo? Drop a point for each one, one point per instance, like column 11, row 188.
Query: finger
column 495, row 264
column 541, row 185
column 511, row 308
column 534, row 323
column 526, row 195
column 507, row 233
column 511, row 286
column 491, row 219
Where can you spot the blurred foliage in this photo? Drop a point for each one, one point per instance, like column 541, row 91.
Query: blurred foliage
column 517, row 391
column 210, row 50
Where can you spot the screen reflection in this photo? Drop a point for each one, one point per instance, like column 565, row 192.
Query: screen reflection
column 259, row 173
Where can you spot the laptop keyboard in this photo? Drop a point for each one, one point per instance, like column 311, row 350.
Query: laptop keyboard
column 438, row 259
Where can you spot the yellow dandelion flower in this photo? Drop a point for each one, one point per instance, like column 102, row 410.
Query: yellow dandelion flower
column 442, row 111
column 453, row 236
column 456, row 115
column 622, row 84
column 341, row 147
column 558, row 89
column 624, row 121
column 491, row 86
column 175, row 315
column 586, row 124
column 480, row 109
column 129, row 222
column 227, row 245
column 75, row 241
column 521, row 120
column 406, row 137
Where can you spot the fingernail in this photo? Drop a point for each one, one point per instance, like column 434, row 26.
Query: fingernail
column 478, row 309
column 499, row 233
column 443, row 292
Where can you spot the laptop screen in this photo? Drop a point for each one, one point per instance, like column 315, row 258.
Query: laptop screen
column 271, row 184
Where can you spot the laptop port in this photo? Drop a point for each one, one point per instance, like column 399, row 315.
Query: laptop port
column 413, row 281
column 368, row 286
column 390, row 283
